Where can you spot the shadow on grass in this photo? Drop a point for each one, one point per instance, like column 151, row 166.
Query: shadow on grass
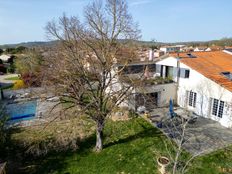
column 9, row 150
column 57, row 162
column 146, row 132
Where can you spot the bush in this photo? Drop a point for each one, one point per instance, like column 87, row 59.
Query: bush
column 18, row 84
column 31, row 79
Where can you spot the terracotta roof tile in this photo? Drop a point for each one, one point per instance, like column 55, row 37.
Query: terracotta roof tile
column 211, row 65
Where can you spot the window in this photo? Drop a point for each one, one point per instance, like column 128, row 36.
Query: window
column 183, row 73
column 169, row 72
column 217, row 108
column 132, row 69
column 192, row 99
column 152, row 67
column 186, row 75
column 228, row 75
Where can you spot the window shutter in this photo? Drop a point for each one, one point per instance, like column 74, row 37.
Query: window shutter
column 174, row 72
column 186, row 98
column 182, row 72
column 158, row 68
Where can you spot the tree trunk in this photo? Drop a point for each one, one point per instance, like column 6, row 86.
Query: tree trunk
column 99, row 136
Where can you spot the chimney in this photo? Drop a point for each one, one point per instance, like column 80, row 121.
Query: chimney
column 151, row 55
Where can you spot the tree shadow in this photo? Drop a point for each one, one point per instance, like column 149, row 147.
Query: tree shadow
column 146, row 132
column 59, row 161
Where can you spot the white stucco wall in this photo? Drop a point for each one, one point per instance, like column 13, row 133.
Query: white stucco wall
column 206, row 89
column 167, row 91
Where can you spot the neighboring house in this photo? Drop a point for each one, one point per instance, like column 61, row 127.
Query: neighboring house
column 204, row 82
column 228, row 51
column 216, row 48
column 147, row 54
column 208, row 49
column 158, row 53
column 5, row 62
column 5, row 58
column 197, row 49
column 171, row 49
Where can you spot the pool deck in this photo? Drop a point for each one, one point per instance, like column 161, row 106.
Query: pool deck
column 45, row 111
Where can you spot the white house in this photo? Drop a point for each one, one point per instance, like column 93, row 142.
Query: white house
column 228, row 51
column 5, row 58
column 170, row 49
column 204, row 82
column 200, row 49
column 208, row 49
column 147, row 93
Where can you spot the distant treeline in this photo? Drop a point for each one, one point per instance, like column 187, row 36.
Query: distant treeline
column 222, row 42
column 28, row 44
column 15, row 50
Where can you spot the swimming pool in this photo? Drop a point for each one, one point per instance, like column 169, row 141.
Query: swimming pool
column 21, row 111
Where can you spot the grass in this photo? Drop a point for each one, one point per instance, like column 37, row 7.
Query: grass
column 12, row 78
column 218, row 162
column 128, row 148
column 10, row 86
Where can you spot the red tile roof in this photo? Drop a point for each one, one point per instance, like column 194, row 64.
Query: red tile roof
column 211, row 65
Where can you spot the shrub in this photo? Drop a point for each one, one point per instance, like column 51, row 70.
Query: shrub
column 31, row 79
column 18, row 84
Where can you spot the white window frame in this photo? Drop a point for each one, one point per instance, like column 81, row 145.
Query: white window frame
column 192, row 99
column 217, row 107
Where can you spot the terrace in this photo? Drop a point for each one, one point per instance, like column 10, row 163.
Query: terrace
column 202, row 135
column 141, row 81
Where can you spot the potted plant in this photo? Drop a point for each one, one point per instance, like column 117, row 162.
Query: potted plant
column 163, row 162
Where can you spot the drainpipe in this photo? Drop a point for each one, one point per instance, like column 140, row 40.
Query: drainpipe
column 178, row 76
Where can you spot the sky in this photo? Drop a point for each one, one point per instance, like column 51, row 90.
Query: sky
column 162, row 20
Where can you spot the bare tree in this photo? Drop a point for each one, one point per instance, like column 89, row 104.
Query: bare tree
column 82, row 67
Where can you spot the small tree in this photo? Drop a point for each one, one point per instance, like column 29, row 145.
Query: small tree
column 29, row 66
column 179, row 131
column 83, row 64
column 20, row 49
column 153, row 44
column 1, row 51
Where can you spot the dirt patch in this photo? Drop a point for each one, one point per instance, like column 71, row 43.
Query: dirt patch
column 121, row 115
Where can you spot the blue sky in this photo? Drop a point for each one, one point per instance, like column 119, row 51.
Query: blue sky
column 163, row 20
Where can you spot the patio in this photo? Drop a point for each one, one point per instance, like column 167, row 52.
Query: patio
column 201, row 136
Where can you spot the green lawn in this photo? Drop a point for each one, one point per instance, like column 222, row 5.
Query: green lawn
column 129, row 148
column 12, row 78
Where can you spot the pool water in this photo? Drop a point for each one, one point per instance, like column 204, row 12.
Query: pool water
column 21, row 111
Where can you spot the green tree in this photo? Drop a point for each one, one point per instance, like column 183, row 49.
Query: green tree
column 1, row 51
column 20, row 49
column 29, row 66
column 11, row 51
